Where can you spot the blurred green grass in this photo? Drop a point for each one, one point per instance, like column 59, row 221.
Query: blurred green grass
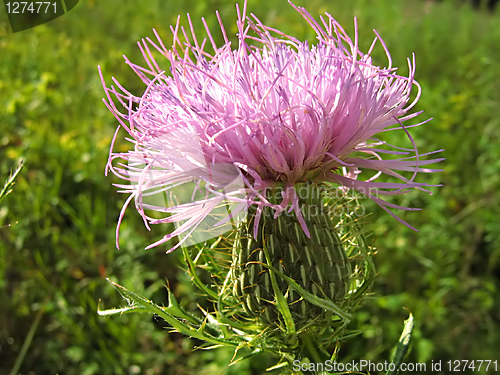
column 62, row 213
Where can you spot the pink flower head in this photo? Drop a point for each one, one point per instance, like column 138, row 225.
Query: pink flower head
column 273, row 109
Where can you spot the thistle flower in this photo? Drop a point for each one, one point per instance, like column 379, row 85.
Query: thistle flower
column 257, row 126
column 272, row 111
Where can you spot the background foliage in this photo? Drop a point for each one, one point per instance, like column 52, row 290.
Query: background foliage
column 57, row 227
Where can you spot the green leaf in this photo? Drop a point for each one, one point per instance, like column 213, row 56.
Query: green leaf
column 402, row 348
column 320, row 302
column 281, row 303
column 200, row 284
column 179, row 325
column 7, row 188
column 122, row 310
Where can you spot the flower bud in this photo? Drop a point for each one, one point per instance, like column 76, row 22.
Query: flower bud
column 320, row 265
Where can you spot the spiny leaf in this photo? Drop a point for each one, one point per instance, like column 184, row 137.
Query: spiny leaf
column 178, row 325
column 402, row 348
column 320, row 302
column 176, row 310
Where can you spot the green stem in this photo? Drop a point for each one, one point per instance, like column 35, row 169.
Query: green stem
column 312, row 353
column 310, row 349
column 29, row 338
